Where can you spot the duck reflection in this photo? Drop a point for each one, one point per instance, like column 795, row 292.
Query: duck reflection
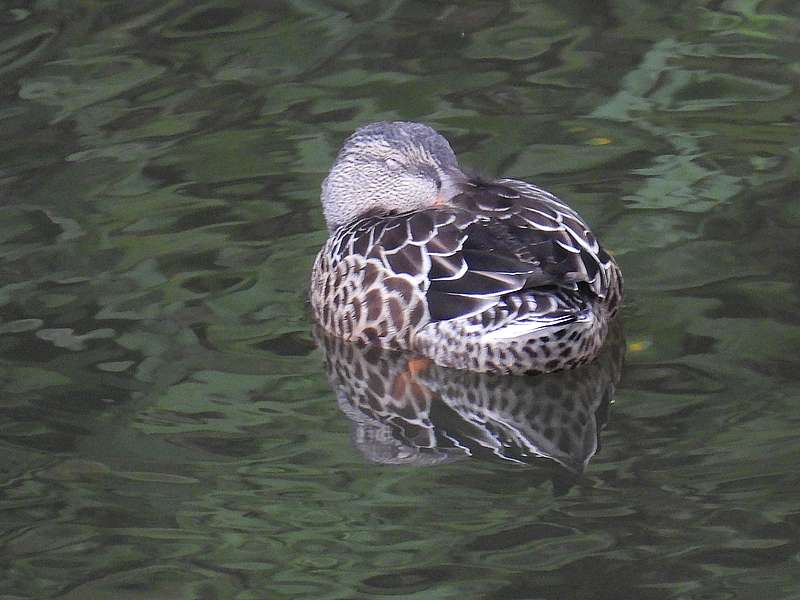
column 407, row 410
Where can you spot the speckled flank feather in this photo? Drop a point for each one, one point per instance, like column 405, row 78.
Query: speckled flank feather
column 361, row 300
column 503, row 277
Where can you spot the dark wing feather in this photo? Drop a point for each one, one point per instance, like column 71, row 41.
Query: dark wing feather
column 447, row 267
column 493, row 240
column 541, row 228
column 443, row 306
column 480, row 284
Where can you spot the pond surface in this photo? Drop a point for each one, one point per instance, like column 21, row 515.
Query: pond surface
column 168, row 427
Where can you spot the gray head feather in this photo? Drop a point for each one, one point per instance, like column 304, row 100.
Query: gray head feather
column 389, row 167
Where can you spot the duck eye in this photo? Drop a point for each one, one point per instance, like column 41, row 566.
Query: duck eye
column 393, row 164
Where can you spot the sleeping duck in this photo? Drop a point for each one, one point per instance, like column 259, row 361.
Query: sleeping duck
column 491, row 276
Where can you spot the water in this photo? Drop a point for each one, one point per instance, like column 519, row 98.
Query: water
column 168, row 428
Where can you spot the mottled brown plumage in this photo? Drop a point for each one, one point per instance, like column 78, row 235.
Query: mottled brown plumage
column 486, row 276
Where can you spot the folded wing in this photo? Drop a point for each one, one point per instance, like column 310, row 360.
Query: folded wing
column 492, row 241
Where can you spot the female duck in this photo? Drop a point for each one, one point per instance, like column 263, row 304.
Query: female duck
column 495, row 276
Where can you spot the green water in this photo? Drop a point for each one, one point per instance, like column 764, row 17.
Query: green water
column 168, row 429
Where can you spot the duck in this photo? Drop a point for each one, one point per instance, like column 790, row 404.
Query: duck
column 494, row 276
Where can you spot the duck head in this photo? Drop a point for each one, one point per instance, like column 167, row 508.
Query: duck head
column 389, row 167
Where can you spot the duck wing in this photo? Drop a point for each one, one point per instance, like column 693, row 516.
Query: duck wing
column 542, row 229
column 520, row 239
column 426, row 249
column 491, row 241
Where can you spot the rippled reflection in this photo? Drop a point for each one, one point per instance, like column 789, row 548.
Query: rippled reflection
column 406, row 414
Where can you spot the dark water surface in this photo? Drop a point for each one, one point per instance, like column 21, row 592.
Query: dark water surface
column 168, row 429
